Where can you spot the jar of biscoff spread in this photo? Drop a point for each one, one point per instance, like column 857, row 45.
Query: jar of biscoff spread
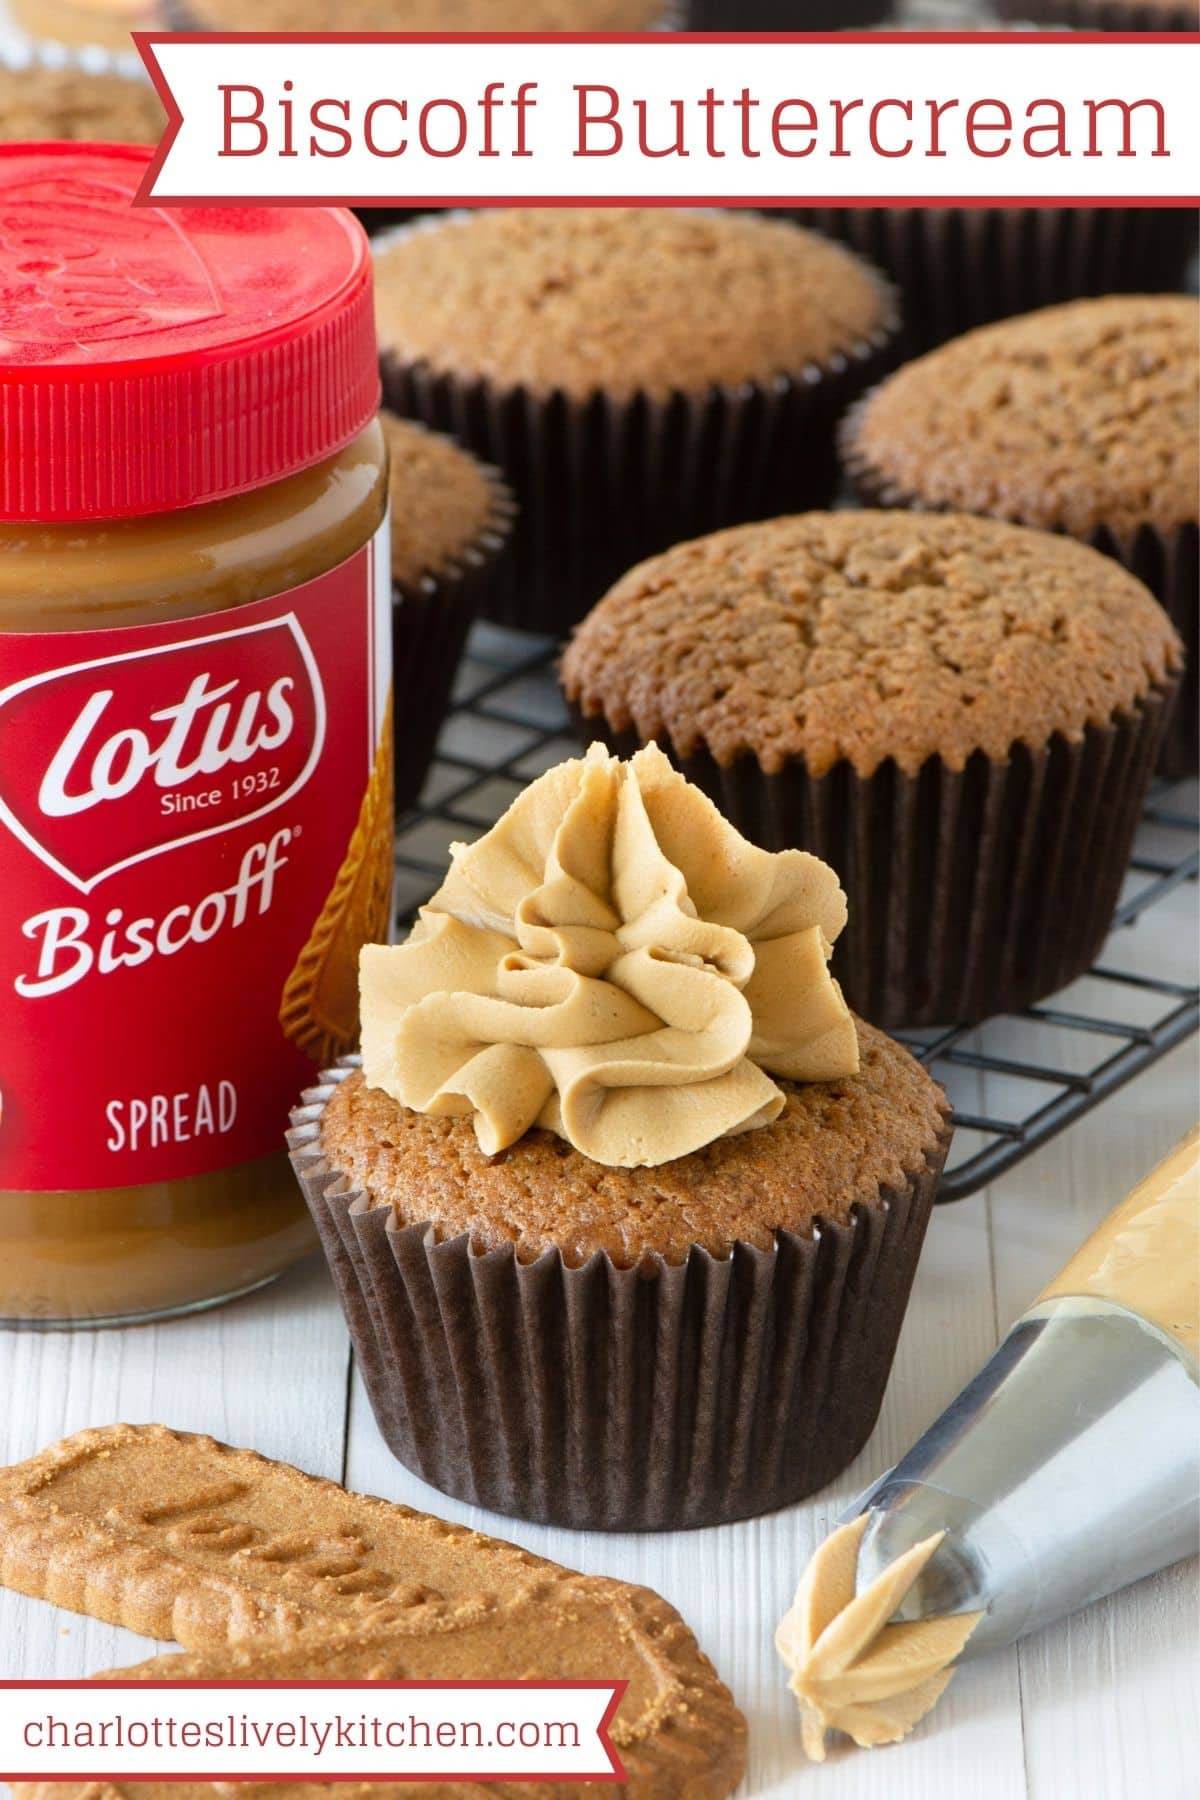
column 195, row 762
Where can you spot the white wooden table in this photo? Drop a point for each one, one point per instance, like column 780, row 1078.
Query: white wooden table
column 1103, row 1707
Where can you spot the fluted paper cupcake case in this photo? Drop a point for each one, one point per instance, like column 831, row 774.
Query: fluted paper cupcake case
column 649, row 1399
column 604, row 482
column 971, row 892
column 786, row 15
column 430, row 623
column 1102, row 15
column 1168, row 563
column 1170, row 567
column 958, row 267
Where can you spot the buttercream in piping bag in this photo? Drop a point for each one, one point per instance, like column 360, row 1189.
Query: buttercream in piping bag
column 1146, row 1255
column 1068, row 1468
column 615, row 963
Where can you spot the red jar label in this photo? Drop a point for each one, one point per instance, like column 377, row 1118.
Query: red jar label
column 195, row 838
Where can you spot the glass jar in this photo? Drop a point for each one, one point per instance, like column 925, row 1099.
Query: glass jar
column 195, row 802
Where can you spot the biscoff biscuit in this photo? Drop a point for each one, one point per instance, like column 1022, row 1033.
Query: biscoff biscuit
column 676, row 1731
column 179, row 1537
column 271, row 1574
column 318, row 1009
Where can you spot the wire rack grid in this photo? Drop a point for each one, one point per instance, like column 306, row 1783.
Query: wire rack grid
column 1015, row 1082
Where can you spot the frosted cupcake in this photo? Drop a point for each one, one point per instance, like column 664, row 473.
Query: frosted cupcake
column 624, row 1205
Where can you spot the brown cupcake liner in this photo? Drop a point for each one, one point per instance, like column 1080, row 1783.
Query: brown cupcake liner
column 651, row 1399
column 960, row 267
column 786, row 15
column 1167, row 562
column 1101, row 15
column 1169, row 565
column 971, row 892
column 603, row 482
column 430, row 623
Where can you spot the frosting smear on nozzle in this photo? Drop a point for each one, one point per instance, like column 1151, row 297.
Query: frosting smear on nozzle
column 615, row 963
column 854, row 1671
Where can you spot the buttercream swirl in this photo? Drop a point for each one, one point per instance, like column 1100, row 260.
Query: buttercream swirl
column 852, row 1670
column 615, row 963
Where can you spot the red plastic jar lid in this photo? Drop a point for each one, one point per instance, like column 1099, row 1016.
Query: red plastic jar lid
column 158, row 357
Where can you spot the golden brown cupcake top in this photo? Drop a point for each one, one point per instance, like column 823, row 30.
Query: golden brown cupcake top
column 37, row 102
column 443, row 501
column 429, row 15
column 835, row 1143
column 622, row 300
column 1077, row 417
column 868, row 636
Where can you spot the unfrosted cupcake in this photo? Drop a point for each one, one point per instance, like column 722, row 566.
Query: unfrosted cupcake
column 1082, row 419
column 82, row 23
column 38, row 102
column 451, row 519
column 959, row 715
column 959, row 267
column 786, row 15
column 1107, row 15
column 624, row 1205
column 429, row 15
column 637, row 374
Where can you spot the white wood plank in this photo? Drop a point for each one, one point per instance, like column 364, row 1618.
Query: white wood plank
column 268, row 1372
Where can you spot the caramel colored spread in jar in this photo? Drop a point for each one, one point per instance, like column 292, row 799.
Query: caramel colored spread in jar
column 195, row 763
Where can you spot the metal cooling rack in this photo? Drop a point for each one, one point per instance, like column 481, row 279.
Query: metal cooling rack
column 1015, row 1082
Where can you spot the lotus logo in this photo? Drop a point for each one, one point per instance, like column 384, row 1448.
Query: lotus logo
column 107, row 763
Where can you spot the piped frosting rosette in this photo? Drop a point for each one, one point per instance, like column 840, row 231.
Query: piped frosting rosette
column 615, row 963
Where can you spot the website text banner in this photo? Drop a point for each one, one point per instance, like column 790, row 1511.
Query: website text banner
column 1000, row 118
column 309, row 1731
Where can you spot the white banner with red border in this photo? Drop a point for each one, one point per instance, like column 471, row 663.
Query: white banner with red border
column 996, row 118
column 153, row 1731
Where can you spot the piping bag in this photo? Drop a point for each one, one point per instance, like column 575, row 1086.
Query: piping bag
column 1069, row 1467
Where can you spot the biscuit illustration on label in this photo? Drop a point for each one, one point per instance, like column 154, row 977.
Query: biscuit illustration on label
column 319, row 1008
column 265, row 1573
